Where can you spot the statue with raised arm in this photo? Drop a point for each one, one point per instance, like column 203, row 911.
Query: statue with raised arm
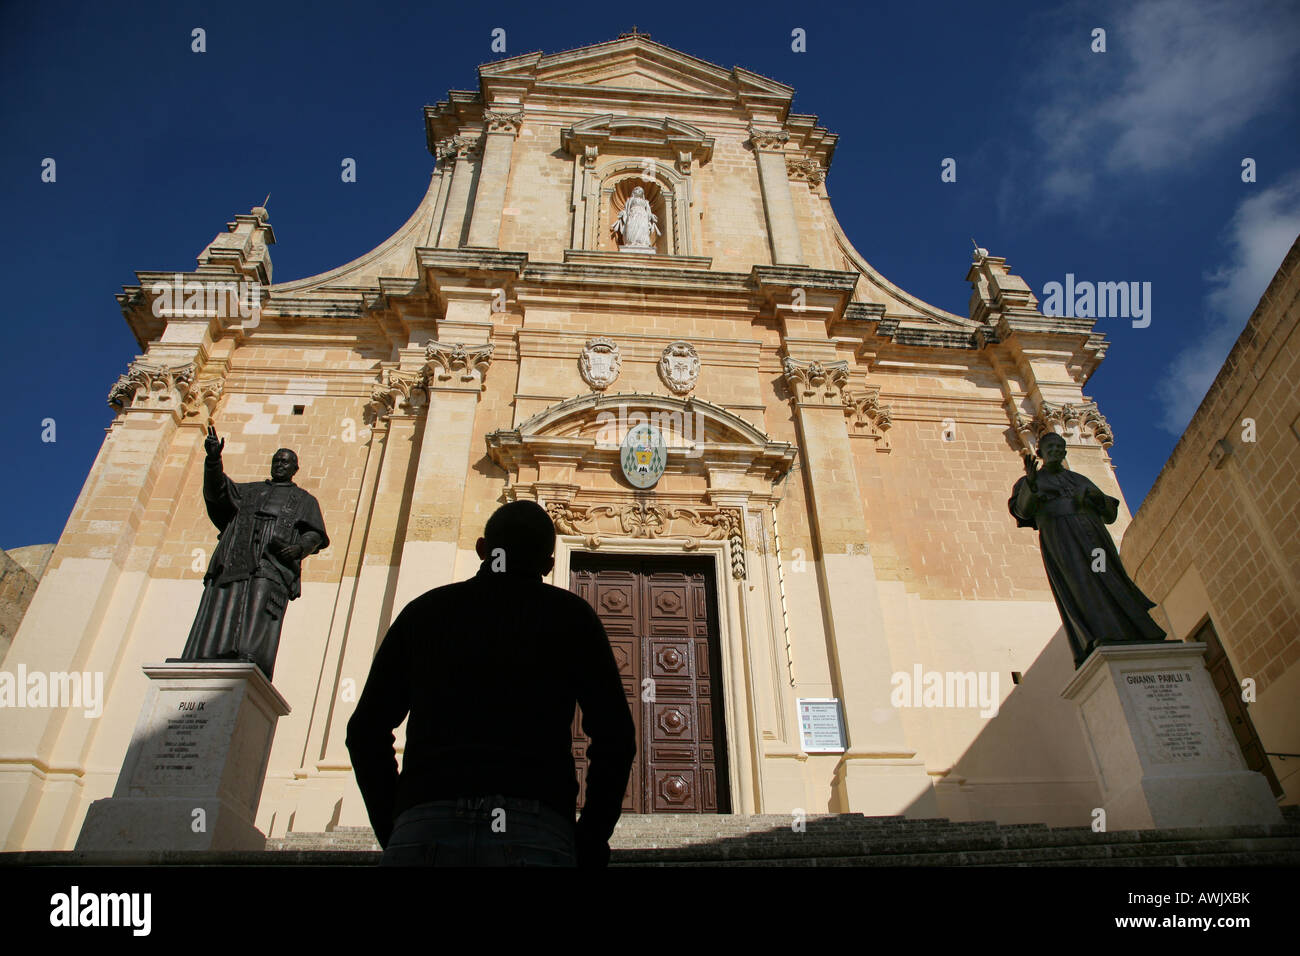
column 265, row 529
column 1099, row 603
column 636, row 226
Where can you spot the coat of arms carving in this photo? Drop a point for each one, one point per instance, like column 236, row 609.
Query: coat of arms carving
column 679, row 367
column 600, row 363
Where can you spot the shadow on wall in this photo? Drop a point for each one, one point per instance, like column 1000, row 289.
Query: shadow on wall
column 1029, row 764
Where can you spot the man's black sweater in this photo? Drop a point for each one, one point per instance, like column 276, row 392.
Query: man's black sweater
column 489, row 670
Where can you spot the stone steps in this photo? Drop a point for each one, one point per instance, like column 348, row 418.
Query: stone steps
column 854, row 840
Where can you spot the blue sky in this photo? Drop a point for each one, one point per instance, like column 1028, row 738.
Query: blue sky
column 1115, row 166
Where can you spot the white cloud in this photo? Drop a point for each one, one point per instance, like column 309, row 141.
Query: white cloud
column 1178, row 77
column 1259, row 235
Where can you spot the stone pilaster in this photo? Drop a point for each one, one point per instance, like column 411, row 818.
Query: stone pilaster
column 778, row 205
column 878, row 773
column 459, row 152
column 453, row 374
column 500, row 130
column 363, row 609
column 92, row 587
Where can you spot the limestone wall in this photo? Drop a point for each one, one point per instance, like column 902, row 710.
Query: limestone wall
column 1218, row 535
column 20, row 573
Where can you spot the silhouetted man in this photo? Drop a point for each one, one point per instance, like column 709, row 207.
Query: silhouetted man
column 490, row 670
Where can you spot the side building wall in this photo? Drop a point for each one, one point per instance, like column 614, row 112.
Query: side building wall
column 1218, row 536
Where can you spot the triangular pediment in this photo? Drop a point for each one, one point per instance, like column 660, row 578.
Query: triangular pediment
column 636, row 77
column 640, row 70
column 637, row 64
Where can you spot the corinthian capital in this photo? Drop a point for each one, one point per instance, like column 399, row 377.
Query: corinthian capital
column 1067, row 420
column 444, row 363
column 768, row 139
column 201, row 399
column 456, row 149
column 870, row 419
column 813, row 379
column 151, row 386
column 494, row 122
column 399, row 391
column 805, row 170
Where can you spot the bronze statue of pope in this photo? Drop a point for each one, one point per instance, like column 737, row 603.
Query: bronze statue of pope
column 1099, row 603
column 265, row 530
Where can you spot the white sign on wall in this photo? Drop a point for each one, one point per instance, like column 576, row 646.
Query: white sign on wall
column 821, row 725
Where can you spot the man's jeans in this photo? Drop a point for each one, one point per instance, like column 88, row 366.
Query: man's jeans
column 481, row 831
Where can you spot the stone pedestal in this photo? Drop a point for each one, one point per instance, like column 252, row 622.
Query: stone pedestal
column 1161, row 745
column 201, row 743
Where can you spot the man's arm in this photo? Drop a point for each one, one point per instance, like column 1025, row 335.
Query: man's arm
column 219, row 494
column 1023, row 504
column 1106, row 507
column 385, row 702
column 607, row 721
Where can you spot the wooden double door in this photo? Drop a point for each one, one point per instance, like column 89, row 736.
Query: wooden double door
column 1229, row 688
column 661, row 615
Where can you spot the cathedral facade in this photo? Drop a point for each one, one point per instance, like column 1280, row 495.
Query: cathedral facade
column 780, row 479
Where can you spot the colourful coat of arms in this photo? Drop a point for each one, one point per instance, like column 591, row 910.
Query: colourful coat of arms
column 644, row 455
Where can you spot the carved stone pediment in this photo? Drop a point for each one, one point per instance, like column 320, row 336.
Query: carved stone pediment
column 638, row 136
column 586, row 432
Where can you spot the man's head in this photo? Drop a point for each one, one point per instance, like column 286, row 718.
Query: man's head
column 1051, row 448
column 284, row 465
column 519, row 538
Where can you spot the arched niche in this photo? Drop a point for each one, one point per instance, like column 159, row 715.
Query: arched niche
column 660, row 152
column 614, row 196
column 610, row 184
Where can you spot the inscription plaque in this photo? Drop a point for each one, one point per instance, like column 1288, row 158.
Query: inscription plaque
column 1168, row 707
column 181, row 745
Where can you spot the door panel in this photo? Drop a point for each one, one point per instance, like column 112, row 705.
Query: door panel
column 661, row 618
column 1243, row 728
